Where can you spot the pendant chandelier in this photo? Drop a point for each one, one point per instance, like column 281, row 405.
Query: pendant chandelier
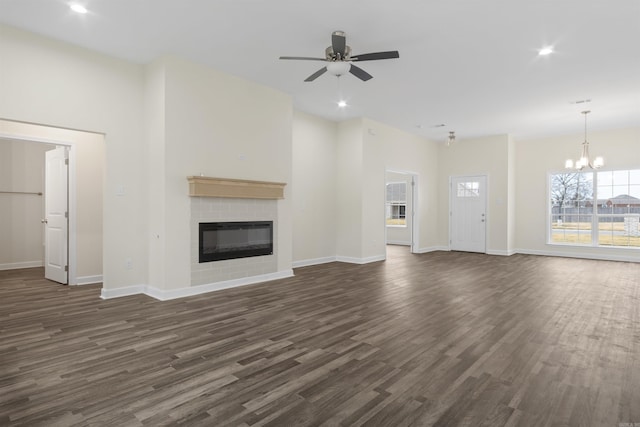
column 584, row 160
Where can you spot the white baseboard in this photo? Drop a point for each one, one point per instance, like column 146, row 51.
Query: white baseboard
column 568, row 254
column 433, row 249
column 19, row 265
column 352, row 260
column 203, row 289
column 163, row 295
column 398, row 242
column 88, row 280
column 315, row 261
column 122, row 292
column 500, row 252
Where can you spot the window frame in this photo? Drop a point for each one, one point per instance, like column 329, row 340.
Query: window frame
column 394, row 203
column 596, row 215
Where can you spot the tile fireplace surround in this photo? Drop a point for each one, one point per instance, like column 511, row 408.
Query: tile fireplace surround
column 213, row 209
column 232, row 200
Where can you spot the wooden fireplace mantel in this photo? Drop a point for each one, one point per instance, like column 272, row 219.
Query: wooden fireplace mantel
column 204, row 186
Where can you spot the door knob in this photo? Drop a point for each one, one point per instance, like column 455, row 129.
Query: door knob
column 44, row 221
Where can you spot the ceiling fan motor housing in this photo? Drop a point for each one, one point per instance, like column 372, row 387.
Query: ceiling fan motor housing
column 332, row 56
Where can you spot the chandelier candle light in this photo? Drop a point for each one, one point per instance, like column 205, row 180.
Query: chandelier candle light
column 584, row 160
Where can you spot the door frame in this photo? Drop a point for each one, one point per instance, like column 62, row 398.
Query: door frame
column 71, row 193
column 486, row 206
column 415, row 224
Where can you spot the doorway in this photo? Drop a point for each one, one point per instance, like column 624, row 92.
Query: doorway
column 35, row 194
column 84, row 213
column 401, row 227
column 468, row 213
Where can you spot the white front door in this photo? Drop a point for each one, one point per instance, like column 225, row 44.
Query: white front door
column 56, row 216
column 468, row 213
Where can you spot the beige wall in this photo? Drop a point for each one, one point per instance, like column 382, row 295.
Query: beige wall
column 56, row 84
column 536, row 159
column 354, row 218
column 483, row 156
column 89, row 151
column 349, row 181
column 313, row 188
column 387, row 148
column 220, row 126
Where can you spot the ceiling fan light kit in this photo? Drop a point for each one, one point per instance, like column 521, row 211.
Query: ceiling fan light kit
column 340, row 61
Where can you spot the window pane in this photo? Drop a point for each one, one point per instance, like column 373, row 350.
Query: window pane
column 621, row 178
column 468, row 189
column 572, row 207
column 397, row 192
column 619, row 231
column 473, row 189
column 575, row 230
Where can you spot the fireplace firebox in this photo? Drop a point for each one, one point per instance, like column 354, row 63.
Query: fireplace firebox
column 229, row 240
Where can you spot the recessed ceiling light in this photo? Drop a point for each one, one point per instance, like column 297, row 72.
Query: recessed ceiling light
column 545, row 51
column 78, row 8
column 342, row 104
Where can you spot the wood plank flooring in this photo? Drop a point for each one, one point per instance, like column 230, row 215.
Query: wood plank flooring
column 439, row 339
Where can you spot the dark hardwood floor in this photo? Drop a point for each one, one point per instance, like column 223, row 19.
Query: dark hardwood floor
column 442, row 339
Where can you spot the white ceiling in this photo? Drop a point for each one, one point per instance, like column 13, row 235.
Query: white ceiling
column 469, row 64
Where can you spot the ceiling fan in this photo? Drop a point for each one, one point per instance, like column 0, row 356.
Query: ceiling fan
column 340, row 60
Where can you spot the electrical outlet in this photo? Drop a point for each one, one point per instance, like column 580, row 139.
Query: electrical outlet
column 128, row 263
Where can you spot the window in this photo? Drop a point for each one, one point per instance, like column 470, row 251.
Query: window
column 468, row 189
column 596, row 209
column 396, row 207
column 618, row 208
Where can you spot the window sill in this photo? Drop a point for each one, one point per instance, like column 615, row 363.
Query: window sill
column 606, row 247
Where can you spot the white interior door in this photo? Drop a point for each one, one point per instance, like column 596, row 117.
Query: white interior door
column 468, row 213
column 56, row 216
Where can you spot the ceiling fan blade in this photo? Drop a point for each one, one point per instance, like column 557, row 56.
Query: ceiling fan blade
column 315, row 75
column 392, row 54
column 360, row 73
column 339, row 43
column 303, row 58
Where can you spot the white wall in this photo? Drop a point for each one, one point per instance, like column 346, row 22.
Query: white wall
column 535, row 159
column 483, row 156
column 512, row 219
column 314, row 189
column 220, row 126
column 349, row 181
column 21, row 232
column 355, row 218
column 56, row 84
column 387, row 148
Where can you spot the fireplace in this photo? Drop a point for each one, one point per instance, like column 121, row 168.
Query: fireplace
column 230, row 240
